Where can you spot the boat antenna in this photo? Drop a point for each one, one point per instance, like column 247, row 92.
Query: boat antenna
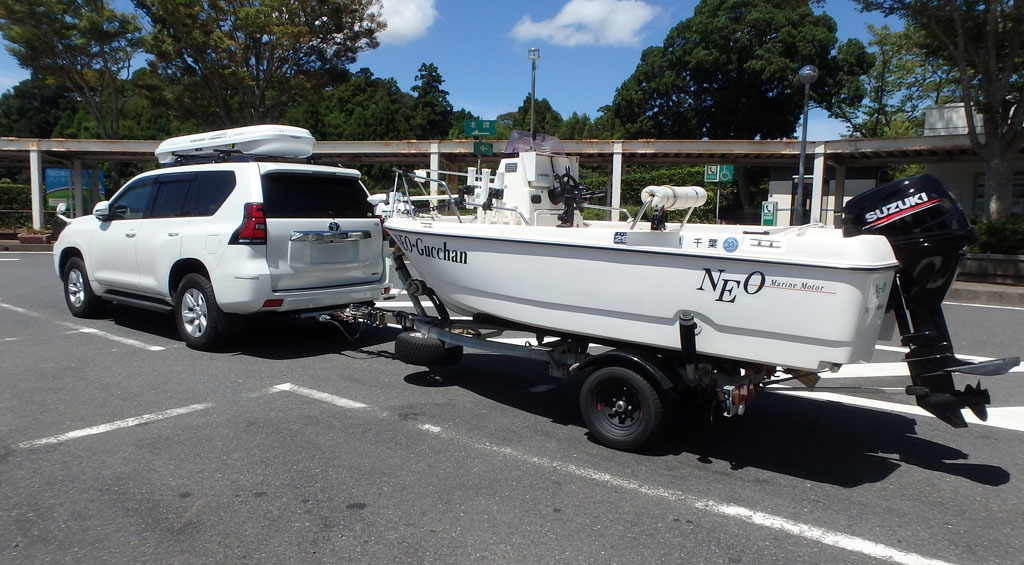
column 533, row 55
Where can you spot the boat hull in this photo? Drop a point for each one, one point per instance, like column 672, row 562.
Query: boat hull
column 802, row 299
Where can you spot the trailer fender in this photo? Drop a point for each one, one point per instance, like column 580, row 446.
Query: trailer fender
column 647, row 363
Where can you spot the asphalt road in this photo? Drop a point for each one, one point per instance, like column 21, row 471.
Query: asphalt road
column 120, row 445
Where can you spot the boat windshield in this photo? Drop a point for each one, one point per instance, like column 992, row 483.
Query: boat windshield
column 521, row 141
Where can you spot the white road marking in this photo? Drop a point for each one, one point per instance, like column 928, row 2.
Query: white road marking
column 799, row 529
column 993, row 306
column 112, row 337
column 892, row 369
column 6, row 259
column 112, row 426
column 88, row 330
column 321, row 396
column 1007, row 418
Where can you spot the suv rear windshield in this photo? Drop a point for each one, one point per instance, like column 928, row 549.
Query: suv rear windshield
column 296, row 195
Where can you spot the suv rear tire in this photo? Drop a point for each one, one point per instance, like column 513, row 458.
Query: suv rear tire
column 200, row 321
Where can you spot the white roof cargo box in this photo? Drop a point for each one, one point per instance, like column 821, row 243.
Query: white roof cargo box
column 262, row 140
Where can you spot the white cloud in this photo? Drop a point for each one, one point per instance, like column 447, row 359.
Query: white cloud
column 614, row 23
column 407, row 20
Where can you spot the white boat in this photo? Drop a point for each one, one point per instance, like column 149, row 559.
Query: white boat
column 801, row 297
column 763, row 299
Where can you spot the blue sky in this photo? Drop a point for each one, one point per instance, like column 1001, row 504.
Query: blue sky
column 587, row 49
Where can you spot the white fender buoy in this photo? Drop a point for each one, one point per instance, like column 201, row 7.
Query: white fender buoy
column 674, row 197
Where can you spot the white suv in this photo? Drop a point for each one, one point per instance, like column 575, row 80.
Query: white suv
column 233, row 235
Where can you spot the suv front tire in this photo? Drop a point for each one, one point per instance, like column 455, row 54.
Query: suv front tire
column 82, row 302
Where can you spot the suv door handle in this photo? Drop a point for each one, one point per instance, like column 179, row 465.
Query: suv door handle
column 130, row 234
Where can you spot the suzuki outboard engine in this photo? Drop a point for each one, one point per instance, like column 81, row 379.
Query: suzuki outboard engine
column 929, row 232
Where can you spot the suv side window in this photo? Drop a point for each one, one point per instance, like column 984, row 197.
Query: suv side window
column 209, row 192
column 289, row 195
column 133, row 199
column 170, row 195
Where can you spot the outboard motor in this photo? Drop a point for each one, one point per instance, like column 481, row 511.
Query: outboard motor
column 929, row 232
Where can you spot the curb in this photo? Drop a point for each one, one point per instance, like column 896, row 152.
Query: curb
column 15, row 247
column 988, row 294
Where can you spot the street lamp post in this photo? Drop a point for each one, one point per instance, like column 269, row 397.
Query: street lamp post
column 807, row 74
column 534, row 54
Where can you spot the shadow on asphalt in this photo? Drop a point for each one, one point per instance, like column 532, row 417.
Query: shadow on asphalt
column 265, row 337
column 824, row 442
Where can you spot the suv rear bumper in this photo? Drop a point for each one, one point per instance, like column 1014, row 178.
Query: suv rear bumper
column 247, row 295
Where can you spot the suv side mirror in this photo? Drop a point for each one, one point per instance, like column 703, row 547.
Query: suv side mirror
column 102, row 211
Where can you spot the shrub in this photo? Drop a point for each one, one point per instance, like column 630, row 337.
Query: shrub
column 15, row 197
column 1003, row 237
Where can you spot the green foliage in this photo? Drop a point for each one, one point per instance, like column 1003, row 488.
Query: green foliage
column 87, row 44
column 982, row 42
column 35, row 107
column 902, row 79
column 728, row 72
column 432, row 112
column 249, row 61
column 1002, row 236
column 636, row 178
column 15, row 197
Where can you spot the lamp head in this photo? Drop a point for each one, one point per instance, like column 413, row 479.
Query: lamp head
column 534, row 54
column 808, row 74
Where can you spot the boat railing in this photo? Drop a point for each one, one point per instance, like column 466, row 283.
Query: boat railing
column 400, row 194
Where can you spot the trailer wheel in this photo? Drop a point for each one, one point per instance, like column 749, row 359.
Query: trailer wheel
column 621, row 408
column 415, row 348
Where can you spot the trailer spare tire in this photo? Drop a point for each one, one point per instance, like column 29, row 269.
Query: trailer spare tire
column 621, row 408
column 415, row 348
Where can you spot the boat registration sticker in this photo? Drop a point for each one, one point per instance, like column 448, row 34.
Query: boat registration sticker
column 725, row 243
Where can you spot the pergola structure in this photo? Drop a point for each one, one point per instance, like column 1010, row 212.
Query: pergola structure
column 77, row 154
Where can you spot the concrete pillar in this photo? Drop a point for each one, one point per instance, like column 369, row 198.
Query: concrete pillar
column 616, row 199
column 35, row 166
column 818, row 183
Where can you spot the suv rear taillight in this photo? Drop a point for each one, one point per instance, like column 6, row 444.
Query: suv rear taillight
column 253, row 230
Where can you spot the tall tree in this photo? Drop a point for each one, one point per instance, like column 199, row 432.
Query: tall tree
column 35, row 107
column 84, row 43
column 248, row 60
column 432, row 112
column 545, row 118
column 983, row 41
column 730, row 72
column 363, row 108
column 902, row 80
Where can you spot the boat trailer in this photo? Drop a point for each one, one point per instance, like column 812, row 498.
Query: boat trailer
column 627, row 389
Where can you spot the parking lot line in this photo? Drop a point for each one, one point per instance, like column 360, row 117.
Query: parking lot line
column 86, row 329
column 779, row 523
column 321, row 396
column 128, row 422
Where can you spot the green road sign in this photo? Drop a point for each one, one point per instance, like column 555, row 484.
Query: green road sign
column 769, row 211
column 718, row 173
column 478, row 128
column 483, row 148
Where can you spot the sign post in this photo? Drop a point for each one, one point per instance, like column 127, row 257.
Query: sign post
column 479, row 128
column 769, row 211
column 718, row 173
